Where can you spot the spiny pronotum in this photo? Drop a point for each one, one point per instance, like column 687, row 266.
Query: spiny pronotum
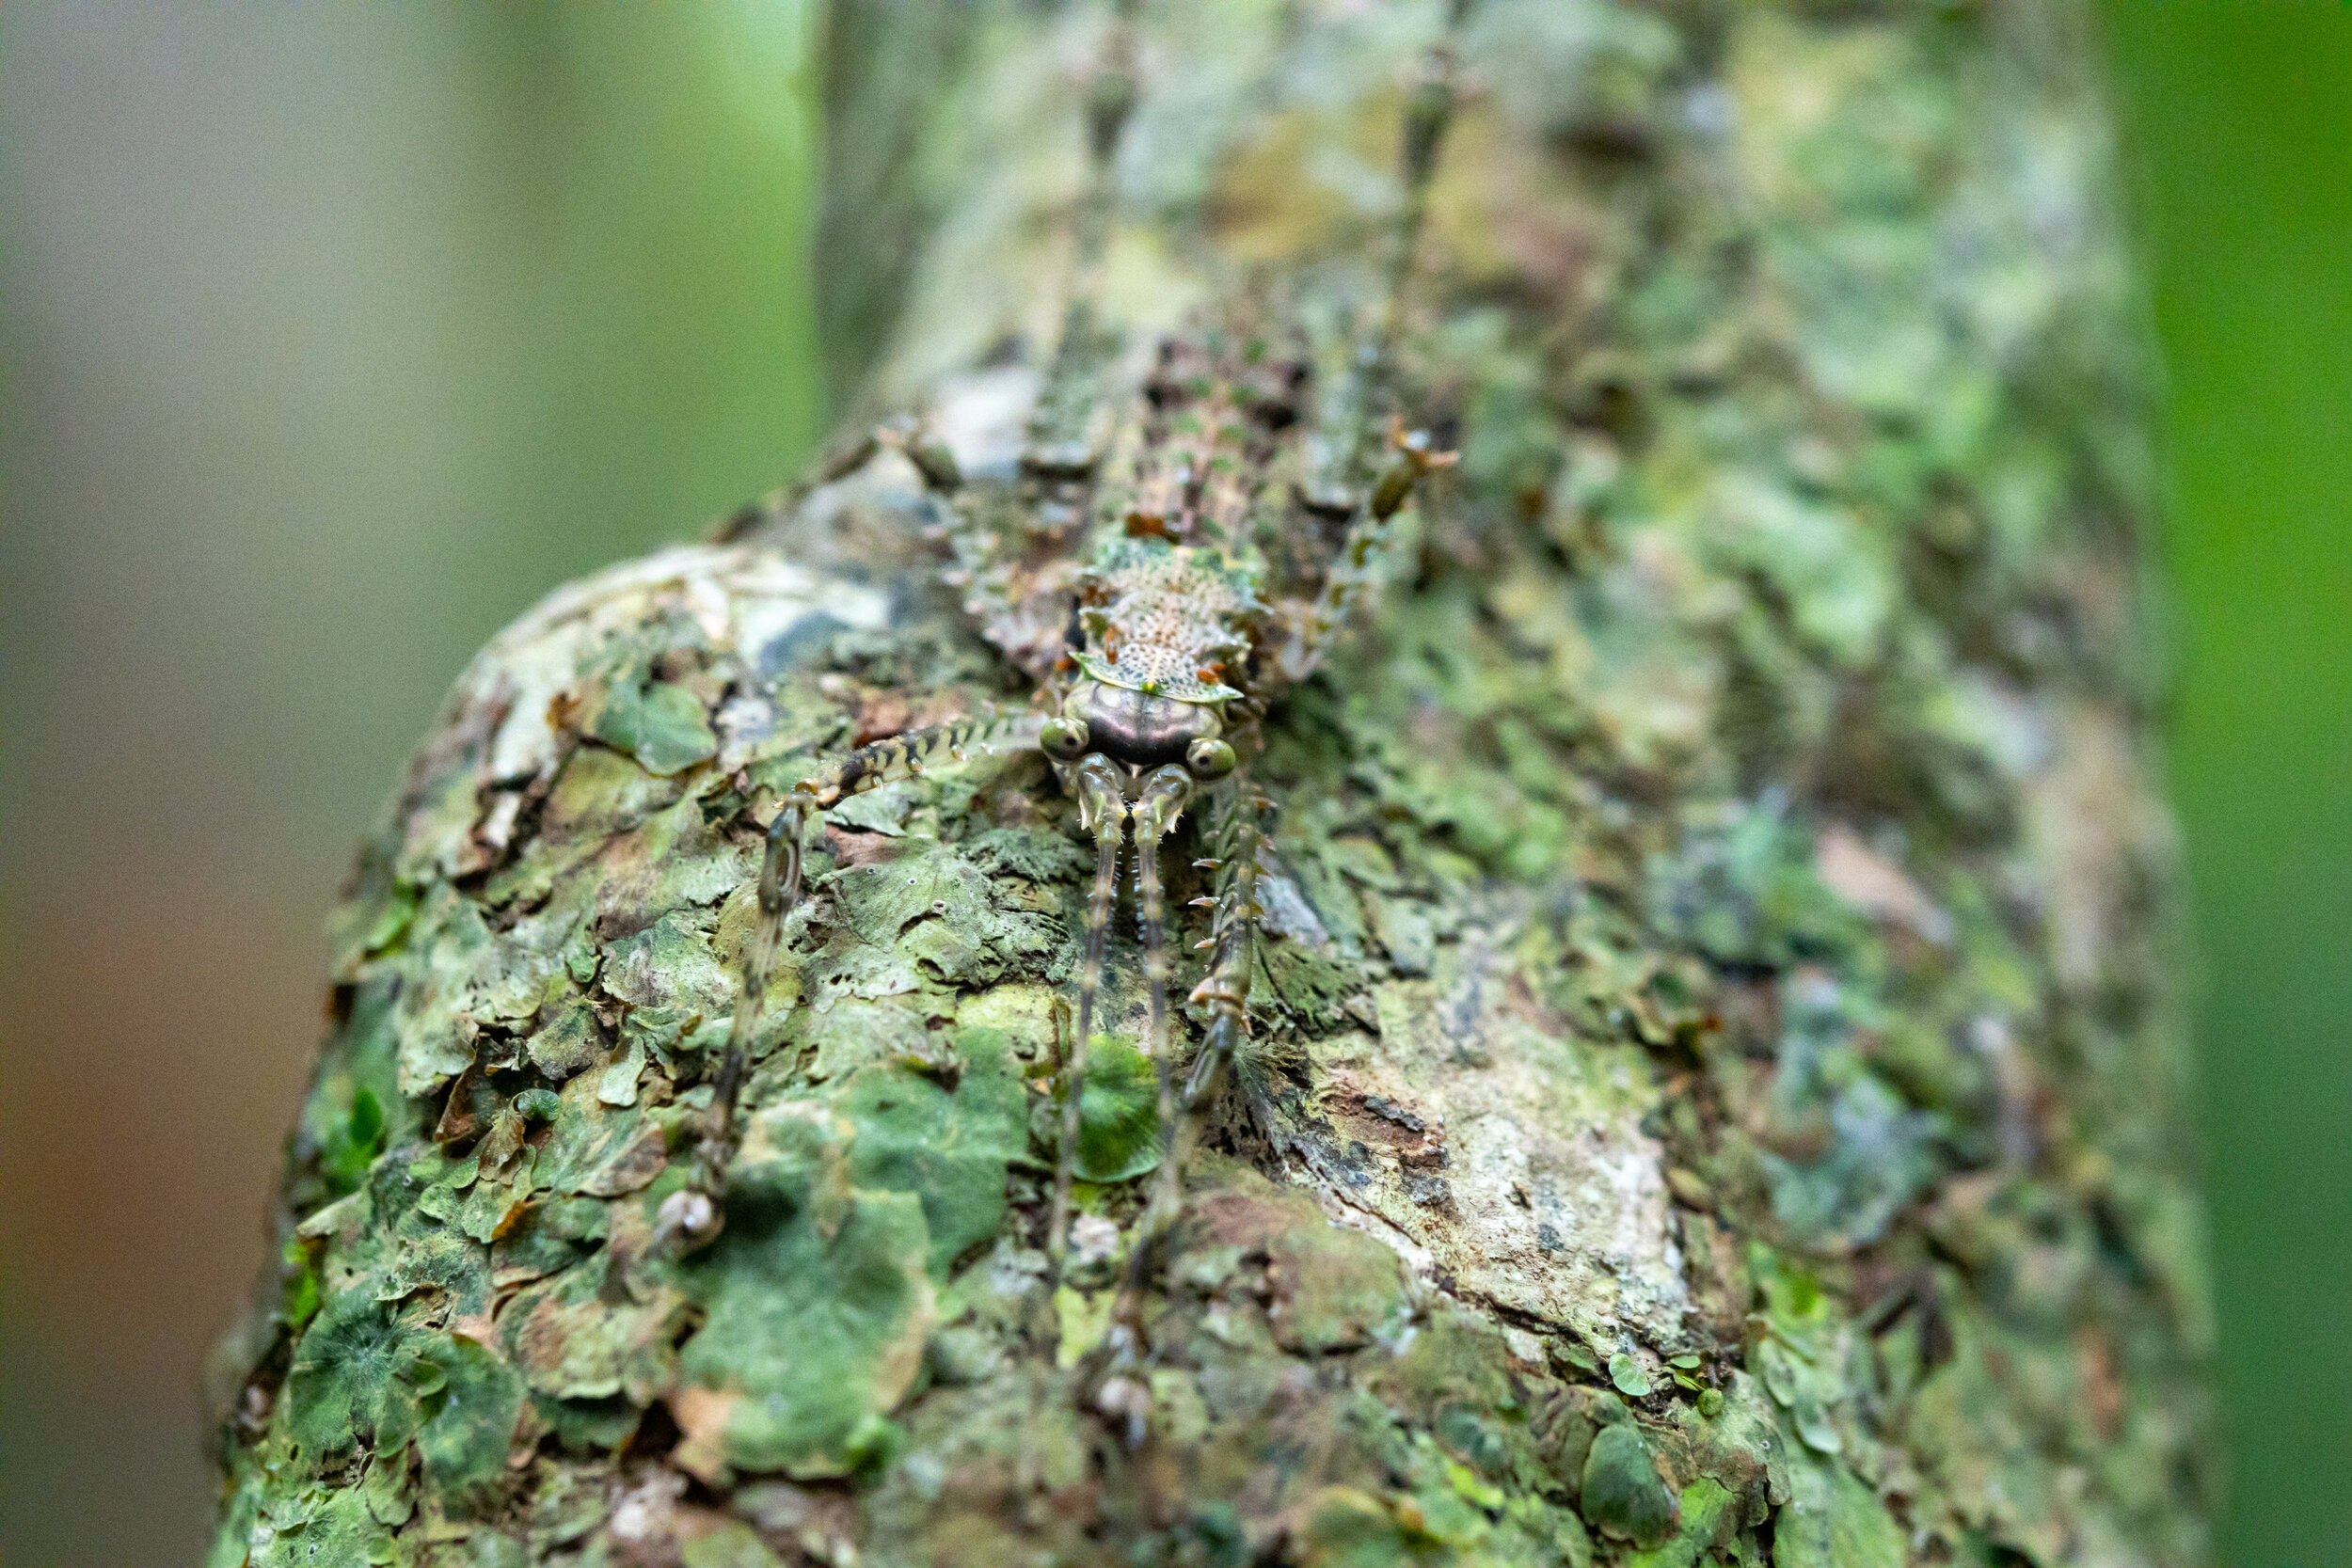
column 1177, row 552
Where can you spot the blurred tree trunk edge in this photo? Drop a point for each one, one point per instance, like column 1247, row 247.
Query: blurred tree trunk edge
column 1716, row 1091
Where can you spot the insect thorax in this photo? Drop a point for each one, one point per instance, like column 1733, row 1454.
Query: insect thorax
column 1166, row 620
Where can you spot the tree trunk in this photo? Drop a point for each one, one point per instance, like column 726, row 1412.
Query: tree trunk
column 1715, row 1085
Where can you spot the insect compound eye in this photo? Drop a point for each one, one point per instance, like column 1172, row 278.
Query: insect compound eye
column 1209, row 759
column 1063, row 740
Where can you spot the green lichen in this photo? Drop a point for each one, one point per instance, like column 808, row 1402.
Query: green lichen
column 1621, row 1494
column 1119, row 1115
column 817, row 1302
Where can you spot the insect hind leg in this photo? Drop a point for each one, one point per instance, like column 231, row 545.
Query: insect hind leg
column 1429, row 109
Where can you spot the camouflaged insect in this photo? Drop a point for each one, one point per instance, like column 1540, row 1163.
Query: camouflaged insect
column 1181, row 624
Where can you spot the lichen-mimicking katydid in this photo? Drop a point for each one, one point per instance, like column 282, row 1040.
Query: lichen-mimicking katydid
column 1197, row 542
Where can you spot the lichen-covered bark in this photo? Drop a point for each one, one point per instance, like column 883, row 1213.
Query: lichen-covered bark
column 1714, row 1090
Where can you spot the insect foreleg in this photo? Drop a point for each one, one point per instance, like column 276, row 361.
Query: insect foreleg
column 988, row 733
column 691, row 1214
column 779, row 890
column 1103, row 811
column 1156, row 810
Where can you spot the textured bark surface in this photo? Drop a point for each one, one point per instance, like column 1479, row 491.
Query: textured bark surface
column 1715, row 1094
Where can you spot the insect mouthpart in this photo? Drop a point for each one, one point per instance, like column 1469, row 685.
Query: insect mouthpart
column 1139, row 728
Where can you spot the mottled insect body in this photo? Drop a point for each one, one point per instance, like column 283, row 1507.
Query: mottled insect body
column 1164, row 619
column 1163, row 624
column 1162, row 564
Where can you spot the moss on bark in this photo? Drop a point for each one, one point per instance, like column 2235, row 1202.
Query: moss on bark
column 1715, row 1085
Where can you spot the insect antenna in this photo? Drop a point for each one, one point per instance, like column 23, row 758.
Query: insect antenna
column 1103, row 811
column 1226, row 990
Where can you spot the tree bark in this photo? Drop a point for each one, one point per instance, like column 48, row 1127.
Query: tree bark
column 1717, row 1085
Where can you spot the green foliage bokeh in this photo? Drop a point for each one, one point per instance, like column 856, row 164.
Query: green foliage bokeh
column 2235, row 122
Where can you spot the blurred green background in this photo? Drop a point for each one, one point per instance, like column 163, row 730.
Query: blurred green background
column 333, row 337
column 2236, row 123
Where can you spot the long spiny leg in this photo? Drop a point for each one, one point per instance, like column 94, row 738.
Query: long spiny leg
column 988, row 733
column 1103, row 811
column 1233, row 952
column 1156, row 809
column 1428, row 112
column 1226, row 990
column 933, row 461
column 779, row 891
column 691, row 1215
column 1345, row 442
